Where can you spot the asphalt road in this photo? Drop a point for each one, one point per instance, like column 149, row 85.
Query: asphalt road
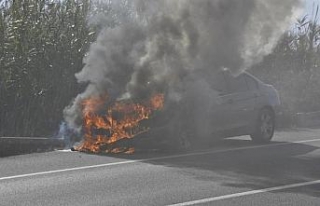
column 230, row 172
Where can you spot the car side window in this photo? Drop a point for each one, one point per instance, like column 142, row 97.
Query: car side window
column 238, row 84
column 252, row 83
column 218, row 83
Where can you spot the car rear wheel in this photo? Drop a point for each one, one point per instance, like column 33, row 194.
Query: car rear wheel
column 265, row 126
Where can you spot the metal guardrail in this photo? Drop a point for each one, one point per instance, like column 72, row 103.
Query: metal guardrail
column 22, row 145
column 28, row 138
column 311, row 119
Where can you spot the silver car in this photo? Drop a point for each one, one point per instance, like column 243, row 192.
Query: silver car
column 219, row 106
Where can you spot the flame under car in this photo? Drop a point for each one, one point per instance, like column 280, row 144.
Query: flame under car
column 106, row 125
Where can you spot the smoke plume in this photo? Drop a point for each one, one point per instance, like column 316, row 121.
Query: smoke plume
column 166, row 45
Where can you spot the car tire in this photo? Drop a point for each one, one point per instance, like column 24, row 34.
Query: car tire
column 265, row 126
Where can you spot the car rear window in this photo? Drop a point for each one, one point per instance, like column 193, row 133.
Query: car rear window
column 251, row 82
column 237, row 84
column 218, row 83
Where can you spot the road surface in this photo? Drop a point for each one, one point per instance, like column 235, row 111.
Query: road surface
column 230, row 172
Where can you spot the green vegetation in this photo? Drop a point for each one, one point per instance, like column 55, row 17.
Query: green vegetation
column 42, row 44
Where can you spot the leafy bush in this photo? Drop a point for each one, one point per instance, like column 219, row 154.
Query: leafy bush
column 42, row 44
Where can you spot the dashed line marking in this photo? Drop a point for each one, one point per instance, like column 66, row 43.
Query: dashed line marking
column 242, row 194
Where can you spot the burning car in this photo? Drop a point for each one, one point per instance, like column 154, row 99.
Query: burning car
column 218, row 105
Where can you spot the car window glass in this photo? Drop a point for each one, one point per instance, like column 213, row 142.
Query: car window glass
column 218, row 83
column 252, row 83
column 237, row 84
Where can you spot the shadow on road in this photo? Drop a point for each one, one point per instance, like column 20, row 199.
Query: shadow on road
column 253, row 168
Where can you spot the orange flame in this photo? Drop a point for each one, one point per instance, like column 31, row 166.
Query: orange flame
column 120, row 121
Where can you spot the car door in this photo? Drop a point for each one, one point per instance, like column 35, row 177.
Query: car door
column 219, row 113
column 206, row 102
column 241, row 102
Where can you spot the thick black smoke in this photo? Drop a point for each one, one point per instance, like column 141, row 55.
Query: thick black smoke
column 166, row 44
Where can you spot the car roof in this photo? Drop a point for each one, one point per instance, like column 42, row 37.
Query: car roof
column 253, row 77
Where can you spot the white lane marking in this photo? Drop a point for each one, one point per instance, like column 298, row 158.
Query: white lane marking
column 153, row 159
column 66, row 170
column 241, row 194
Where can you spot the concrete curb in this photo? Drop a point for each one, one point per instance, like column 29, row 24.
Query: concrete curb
column 24, row 145
column 311, row 119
